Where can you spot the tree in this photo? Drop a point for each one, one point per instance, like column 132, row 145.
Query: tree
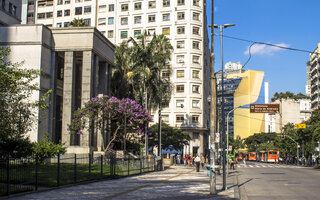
column 288, row 95
column 78, row 22
column 139, row 64
column 170, row 136
column 17, row 114
column 120, row 112
column 262, row 142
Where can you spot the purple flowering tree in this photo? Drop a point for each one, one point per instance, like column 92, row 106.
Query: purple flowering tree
column 98, row 109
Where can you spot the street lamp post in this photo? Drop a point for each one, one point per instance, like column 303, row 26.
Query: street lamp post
column 222, row 105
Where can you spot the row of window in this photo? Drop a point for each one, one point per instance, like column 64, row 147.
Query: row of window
column 195, row 89
column 180, row 74
column 12, row 9
column 180, row 59
column 180, row 118
column 152, row 5
column 66, row 12
column 152, row 18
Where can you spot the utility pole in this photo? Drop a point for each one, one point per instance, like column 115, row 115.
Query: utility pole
column 212, row 111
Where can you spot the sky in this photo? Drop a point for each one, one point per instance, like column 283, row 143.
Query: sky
column 287, row 23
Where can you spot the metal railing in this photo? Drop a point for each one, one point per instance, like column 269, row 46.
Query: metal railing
column 29, row 174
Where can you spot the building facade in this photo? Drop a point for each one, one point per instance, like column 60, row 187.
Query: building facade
column 74, row 69
column 250, row 90
column 291, row 111
column 10, row 12
column 183, row 22
column 313, row 70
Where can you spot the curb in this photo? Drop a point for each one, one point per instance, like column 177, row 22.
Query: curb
column 241, row 190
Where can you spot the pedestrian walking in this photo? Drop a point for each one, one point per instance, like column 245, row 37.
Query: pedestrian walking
column 197, row 161
column 202, row 161
column 244, row 160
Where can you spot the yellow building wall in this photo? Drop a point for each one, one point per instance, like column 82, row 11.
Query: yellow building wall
column 248, row 91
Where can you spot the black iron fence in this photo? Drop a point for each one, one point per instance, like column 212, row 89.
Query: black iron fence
column 27, row 174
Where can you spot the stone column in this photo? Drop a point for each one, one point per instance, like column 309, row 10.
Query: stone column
column 87, row 90
column 68, row 93
column 201, row 147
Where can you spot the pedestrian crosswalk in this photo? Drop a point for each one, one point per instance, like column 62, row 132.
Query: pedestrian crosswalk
column 266, row 165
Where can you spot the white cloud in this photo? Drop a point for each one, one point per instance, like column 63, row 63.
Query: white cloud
column 262, row 49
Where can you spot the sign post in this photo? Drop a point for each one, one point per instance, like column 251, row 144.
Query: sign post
column 264, row 108
column 300, row 126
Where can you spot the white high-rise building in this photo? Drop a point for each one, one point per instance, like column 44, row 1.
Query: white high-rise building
column 184, row 22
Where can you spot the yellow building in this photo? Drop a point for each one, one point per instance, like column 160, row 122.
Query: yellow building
column 249, row 91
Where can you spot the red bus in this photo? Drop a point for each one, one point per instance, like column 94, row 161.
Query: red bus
column 252, row 156
column 269, row 156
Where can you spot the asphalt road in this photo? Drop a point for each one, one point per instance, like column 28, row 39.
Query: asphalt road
column 273, row 181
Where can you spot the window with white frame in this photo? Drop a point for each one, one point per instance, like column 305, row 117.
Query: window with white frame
column 111, row 7
column 196, row 16
column 124, row 34
column 102, row 21
column 151, row 18
column 180, row 73
column 87, row 9
column 180, row 29
column 137, row 19
column 196, row 2
column 179, row 118
column 180, row 2
column 180, row 44
column 166, row 17
column 166, row 31
column 180, row 88
column 196, row 30
column 195, row 104
column 195, row 74
column 152, row 4
column 180, row 59
column 196, row 59
column 180, row 15
column 179, row 103
column 110, row 34
column 196, row 89
column 137, row 33
column 110, row 20
column 124, row 7
column 124, row 20
column 195, row 119
column 166, row 3
column 78, row 10
column 195, row 45
column 138, row 6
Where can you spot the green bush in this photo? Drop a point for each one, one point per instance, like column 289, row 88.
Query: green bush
column 47, row 149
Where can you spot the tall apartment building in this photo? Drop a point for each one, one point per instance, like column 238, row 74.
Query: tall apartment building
column 183, row 22
column 10, row 12
column 313, row 70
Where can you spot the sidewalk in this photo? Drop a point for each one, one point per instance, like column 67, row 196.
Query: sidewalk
column 176, row 182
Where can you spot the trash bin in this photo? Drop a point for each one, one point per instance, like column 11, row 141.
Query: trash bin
column 159, row 166
column 208, row 170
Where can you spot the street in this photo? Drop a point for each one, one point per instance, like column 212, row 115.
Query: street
column 274, row 181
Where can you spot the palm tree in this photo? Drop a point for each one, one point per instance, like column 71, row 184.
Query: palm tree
column 139, row 64
column 121, row 78
column 77, row 22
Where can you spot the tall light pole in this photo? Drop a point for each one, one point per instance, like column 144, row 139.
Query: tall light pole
column 221, row 27
column 212, row 110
